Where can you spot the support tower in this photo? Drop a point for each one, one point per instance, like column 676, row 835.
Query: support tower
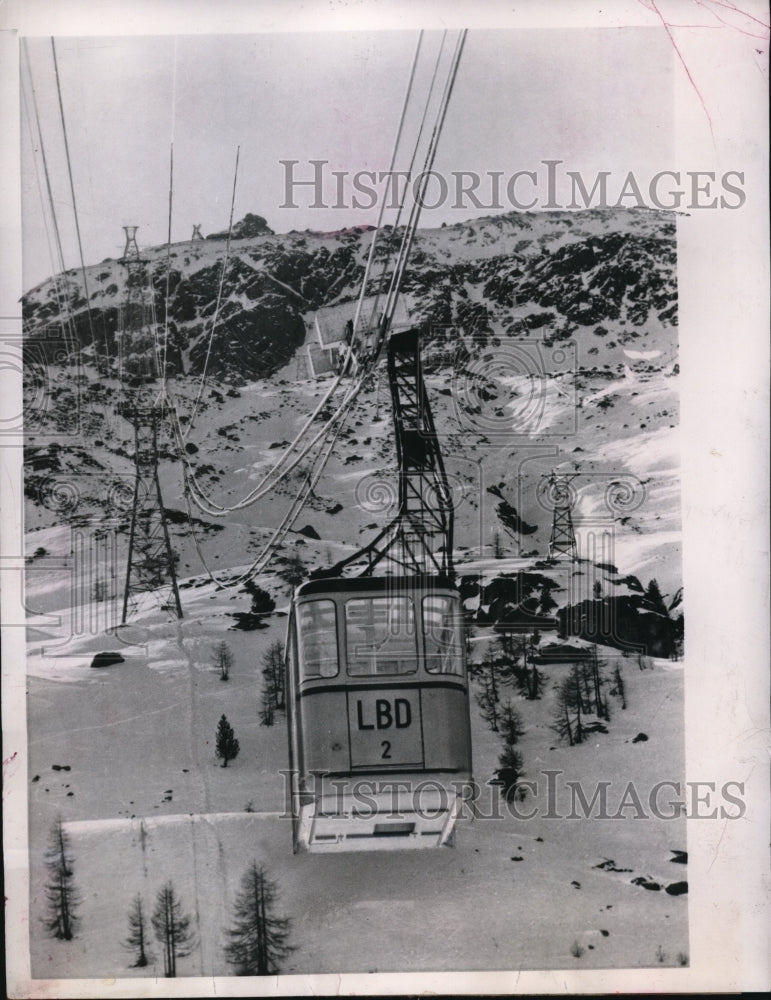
column 563, row 536
column 150, row 562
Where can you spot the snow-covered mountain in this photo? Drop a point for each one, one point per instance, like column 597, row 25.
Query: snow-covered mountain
column 550, row 344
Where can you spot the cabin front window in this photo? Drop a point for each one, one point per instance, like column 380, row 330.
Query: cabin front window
column 380, row 636
column 317, row 627
column 443, row 635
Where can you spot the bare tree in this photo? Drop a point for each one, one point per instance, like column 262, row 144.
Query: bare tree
column 172, row 929
column 138, row 931
column 274, row 684
column 267, row 712
column 567, row 719
column 258, row 939
column 600, row 703
column 618, row 685
column 223, row 659
column 61, row 894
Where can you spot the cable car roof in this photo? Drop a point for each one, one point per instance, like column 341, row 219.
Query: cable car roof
column 357, row 584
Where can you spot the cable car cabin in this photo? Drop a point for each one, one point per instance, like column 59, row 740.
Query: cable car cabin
column 379, row 733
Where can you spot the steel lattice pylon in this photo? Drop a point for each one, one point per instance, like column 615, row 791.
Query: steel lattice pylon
column 563, row 536
column 418, row 541
column 150, row 562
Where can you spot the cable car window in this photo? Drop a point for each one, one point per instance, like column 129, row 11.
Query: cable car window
column 380, row 636
column 443, row 635
column 318, row 639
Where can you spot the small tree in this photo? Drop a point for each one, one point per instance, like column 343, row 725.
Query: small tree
column 618, row 685
column 172, row 929
column 510, row 770
column 61, row 894
column 137, row 938
column 568, row 708
column 262, row 602
column 267, row 712
column 258, row 939
column 600, row 703
column 226, row 746
column 273, row 675
column 487, row 700
column 510, row 725
column 294, row 572
column 223, row 659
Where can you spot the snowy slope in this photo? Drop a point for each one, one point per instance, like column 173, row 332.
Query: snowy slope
column 553, row 348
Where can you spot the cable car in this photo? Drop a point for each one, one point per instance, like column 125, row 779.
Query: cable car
column 379, row 733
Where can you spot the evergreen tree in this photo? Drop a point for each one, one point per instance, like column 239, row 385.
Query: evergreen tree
column 61, row 895
column 137, row 938
column 488, row 698
column 510, row 770
column 226, row 746
column 258, row 939
column 172, row 929
column 223, row 659
column 510, row 725
column 262, row 602
column 294, row 571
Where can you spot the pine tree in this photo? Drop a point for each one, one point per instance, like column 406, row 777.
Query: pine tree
column 510, row 725
column 262, row 602
column 258, row 939
column 294, row 572
column 172, row 929
column 510, row 770
column 61, row 894
column 223, row 659
column 226, row 746
column 488, row 702
column 137, row 938
column 488, row 698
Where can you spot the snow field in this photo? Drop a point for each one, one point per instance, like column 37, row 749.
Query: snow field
column 138, row 738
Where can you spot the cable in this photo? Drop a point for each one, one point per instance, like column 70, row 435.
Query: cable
column 390, row 172
column 64, row 308
column 333, row 426
column 219, row 299
column 72, row 189
column 262, row 488
column 276, row 472
column 415, row 148
column 168, row 261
